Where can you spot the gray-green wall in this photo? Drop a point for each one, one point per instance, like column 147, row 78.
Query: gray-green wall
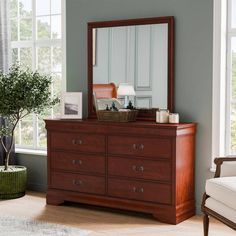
column 193, row 63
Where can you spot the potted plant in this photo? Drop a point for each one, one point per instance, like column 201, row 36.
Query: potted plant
column 22, row 92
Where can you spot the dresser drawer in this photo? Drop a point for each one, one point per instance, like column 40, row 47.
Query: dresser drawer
column 136, row 168
column 149, row 147
column 78, row 183
column 78, row 162
column 78, row 142
column 139, row 190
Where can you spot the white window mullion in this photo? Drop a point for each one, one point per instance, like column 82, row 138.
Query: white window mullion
column 34, row 34
column 63, row 43
column 228, row 98
column 18, row 20
column 229, row 15
column 218, row 82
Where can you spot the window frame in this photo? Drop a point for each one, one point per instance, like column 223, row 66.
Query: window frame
column 221, row 83
column 231, row 33
column 218, row 81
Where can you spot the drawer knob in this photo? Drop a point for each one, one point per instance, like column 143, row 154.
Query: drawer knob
column 141, row 146
column 138, row 190
column 77, row 182
column 138, row 168
column 77, row 162
column 138, row 146
column 141, row 168
column 75, row 142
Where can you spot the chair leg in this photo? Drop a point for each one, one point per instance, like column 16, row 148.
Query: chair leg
column 206, row 224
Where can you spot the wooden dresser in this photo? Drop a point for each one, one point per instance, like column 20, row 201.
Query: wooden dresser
column 140, row 166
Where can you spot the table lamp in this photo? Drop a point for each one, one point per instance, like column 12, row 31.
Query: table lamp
column 126, row 90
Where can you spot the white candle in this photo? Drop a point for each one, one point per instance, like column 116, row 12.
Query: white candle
column 164, row 116
column 158, row 116
column 174, row 118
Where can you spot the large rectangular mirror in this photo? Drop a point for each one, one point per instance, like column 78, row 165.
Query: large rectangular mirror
column 133, row 60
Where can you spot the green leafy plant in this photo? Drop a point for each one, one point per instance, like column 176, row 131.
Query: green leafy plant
column 22, row 92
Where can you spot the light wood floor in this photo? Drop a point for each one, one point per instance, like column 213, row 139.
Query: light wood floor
column 105, row 221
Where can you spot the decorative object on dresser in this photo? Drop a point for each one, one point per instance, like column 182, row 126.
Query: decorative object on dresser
column 140, row 166
column 71, row 105
column 174, row 118
column 124, row 115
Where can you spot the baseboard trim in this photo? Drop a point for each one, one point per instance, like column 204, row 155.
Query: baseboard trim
column 37, row 187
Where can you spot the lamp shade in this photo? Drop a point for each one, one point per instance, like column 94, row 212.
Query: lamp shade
column 126, row 90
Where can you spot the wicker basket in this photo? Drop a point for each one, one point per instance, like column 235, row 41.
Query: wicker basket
column 117, row 116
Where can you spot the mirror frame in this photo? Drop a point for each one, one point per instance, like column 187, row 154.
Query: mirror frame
column 146, row 114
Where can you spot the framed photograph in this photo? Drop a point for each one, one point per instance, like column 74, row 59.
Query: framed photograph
column 71, row 105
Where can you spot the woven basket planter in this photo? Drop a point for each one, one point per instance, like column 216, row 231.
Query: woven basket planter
column 12, row 182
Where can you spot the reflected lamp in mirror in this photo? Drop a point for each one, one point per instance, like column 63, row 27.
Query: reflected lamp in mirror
column 125, row 90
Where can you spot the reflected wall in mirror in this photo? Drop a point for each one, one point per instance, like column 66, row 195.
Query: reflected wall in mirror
column 135, row 52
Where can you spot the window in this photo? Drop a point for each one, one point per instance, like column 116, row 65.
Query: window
column 224, row 79
column 230, row 141
column 37, row 42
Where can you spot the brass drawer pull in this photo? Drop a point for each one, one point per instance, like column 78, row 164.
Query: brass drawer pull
column 138, row 146
column 76, row 162
column 141, row 146
column 138, row 190
column 75, row 142
column 77, row 182
column 138, row 168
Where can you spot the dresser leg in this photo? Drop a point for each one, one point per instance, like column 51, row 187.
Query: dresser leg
column 52, row 200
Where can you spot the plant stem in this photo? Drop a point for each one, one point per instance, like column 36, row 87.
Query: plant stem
column 8, row 151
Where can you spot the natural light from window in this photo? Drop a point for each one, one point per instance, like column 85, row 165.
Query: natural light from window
column 36, row 42
column 231, row 78
column 233, row 13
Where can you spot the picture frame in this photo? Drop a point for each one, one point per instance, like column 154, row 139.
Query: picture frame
column 71, row 105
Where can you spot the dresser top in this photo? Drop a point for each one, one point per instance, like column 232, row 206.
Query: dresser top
column 124, row 125
column 146, row 123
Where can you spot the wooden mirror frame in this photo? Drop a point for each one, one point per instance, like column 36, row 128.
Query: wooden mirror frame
column 146, row 114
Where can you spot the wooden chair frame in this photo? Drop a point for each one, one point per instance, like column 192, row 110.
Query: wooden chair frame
column 208, row 212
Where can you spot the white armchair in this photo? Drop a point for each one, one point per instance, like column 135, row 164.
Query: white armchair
column 219, row 200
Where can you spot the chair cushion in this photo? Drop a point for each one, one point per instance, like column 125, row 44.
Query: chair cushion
column 221, row 209
column 223, row 190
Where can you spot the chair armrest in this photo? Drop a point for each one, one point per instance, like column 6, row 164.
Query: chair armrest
column 219, row 161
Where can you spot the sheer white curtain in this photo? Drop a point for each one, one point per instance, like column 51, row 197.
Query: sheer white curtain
column 4, row 52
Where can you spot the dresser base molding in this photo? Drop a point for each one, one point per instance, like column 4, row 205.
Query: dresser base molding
column 163, row 213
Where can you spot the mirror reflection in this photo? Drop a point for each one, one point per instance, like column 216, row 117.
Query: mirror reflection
column 130, row 65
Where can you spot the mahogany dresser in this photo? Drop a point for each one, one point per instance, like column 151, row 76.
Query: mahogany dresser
column 139, row 166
